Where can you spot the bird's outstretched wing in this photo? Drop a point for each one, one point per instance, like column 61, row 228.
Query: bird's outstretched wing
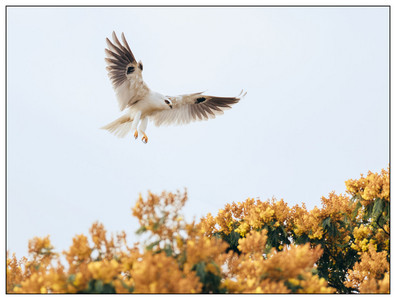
column 124, row 72
column 194, row 107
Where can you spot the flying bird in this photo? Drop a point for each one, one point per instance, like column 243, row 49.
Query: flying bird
column 132, row 93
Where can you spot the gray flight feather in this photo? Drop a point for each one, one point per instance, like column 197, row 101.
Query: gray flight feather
column 119, row 58
column 194, row 107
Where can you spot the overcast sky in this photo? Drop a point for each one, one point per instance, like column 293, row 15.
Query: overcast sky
column 316, row 112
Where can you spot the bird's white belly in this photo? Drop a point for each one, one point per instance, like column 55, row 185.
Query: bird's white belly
column 145, row 107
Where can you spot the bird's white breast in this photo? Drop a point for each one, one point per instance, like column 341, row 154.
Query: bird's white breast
column 149, row 104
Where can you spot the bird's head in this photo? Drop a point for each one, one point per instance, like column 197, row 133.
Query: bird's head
column 168, row 102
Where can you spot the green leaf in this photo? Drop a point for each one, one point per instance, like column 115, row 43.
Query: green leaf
column 302, row 239
column 300, row 277
column 168, row 250
column 284, row 233
column 378, row 207
column 107, row 289
column 199, row 268
column 292, row 287
column 264, row 276
column 386, row 209
column 98, row 286
column 159, row 223
column 152, row 245
column 232, row 239
column 355, row 211
column 129, row 288
column 330, row 227
column 326, row 223
column 141, row 230
column 211, row 282
column 278, row 269
column 71, row 278
column 368, row 211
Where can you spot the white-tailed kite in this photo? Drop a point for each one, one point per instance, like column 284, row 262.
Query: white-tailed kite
column 132, row 92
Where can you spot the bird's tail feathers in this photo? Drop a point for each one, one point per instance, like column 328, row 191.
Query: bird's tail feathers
column 119, row 127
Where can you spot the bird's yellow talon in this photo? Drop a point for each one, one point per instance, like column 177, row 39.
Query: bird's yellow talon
column 144, row 138
column 136, row 134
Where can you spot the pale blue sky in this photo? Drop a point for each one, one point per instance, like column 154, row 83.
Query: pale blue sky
column 316, row 112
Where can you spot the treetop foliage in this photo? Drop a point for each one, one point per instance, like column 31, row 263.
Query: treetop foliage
column 252, row 246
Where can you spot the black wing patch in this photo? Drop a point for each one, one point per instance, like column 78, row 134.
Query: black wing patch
column 119, row 60
column 206, row 107
column 130, row 70
column 200, row 100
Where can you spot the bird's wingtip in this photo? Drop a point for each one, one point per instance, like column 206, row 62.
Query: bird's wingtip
column 114, row 36
column 242, row 94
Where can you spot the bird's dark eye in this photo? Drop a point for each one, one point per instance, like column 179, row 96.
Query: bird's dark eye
column 167, row 102
column 141, row 66
column 130, row 70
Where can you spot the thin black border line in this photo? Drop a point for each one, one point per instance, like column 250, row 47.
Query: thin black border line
column 198, row 5
column 390, row 139
column 5, row 148
column 195, row 6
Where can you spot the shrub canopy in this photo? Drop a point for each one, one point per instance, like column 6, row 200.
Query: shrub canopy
column 248, row 247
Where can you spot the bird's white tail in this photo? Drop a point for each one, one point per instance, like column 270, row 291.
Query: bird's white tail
column 120, row 127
